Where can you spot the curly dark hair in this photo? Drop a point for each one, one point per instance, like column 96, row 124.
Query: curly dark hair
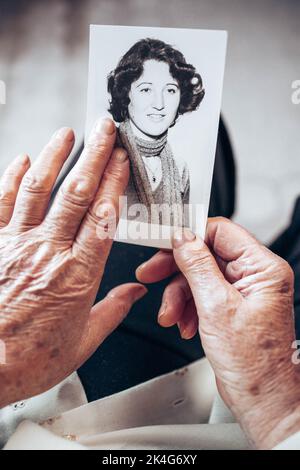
column 130, row 68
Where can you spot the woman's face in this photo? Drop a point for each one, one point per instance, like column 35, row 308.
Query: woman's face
column 154, row 99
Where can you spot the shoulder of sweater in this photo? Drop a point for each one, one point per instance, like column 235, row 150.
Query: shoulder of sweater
column 181, row 165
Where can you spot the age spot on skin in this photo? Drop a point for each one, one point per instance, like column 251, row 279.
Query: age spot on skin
column 54, row 353
column 15, row 328
column 254, row 390
column 268, row 344
column 285, row 288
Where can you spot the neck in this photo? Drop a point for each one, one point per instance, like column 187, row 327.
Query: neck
column 138, row 133
column 145, row 148
column 141, row 135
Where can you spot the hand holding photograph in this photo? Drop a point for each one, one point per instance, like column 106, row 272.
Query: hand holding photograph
column 154, row 92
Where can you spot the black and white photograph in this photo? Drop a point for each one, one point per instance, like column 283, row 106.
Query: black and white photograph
column 162, row 87
column 150, row 229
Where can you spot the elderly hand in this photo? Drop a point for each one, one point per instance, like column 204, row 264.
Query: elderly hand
column 240, row 296
column 51, row 265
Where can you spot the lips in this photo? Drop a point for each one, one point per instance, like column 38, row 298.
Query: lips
column 156, row 117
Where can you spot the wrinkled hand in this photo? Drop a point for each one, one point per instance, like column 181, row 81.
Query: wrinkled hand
column 51, row 265
column 240, row 296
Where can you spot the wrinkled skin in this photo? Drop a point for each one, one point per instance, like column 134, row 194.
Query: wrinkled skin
column 51, row 263
column 240, row 297
column 236, row 292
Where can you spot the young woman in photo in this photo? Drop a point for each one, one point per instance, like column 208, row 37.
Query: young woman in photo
column 150, row 88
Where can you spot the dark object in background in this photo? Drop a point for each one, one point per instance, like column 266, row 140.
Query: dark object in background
column 287, row 245
column 223, row 192
column 140, row 349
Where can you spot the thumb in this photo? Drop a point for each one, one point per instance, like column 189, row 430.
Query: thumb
column 194, row 259
column 107, row 315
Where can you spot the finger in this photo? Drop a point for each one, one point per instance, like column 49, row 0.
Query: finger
column 237, row 252
column 157, row 268
column 96, row 234
column 175, row 298
column 36, row 187
column 80, row 186
column 188, row 323
column 9, row 187
column 208, row 285
column 107, row 315
column 227, row 239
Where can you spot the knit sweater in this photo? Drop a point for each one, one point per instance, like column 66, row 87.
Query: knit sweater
column 173, row 190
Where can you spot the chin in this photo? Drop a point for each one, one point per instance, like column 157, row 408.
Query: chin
column 155, row 131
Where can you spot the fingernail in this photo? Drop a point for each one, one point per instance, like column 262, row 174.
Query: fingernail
column 190, row 330
column 120, row 155
column 162, row 311
column 136, row 292
column 65, row 133
column 104, row 126
column 139, row 292
column 141, row 267
column 182, row 236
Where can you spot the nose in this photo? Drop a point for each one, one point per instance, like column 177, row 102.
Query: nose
column 158, row 101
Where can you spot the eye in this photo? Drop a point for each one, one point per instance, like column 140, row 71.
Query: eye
column 172, row 90
column 145, row 90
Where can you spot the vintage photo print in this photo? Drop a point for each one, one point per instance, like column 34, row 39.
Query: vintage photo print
column 163, row 89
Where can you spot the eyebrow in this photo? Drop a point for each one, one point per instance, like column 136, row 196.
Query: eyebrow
column 150, row 83
column 144, row 83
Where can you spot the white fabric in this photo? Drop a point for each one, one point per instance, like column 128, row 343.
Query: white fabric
column 184, row 396
column 168, row 412
column 180, row 410
column 220, row 413
column 65, row 396
column 31, row 436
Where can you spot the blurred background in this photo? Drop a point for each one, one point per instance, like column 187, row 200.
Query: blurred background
column 44, row 60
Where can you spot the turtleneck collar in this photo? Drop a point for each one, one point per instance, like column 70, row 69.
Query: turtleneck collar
column 148, row 148
column 151, row 148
